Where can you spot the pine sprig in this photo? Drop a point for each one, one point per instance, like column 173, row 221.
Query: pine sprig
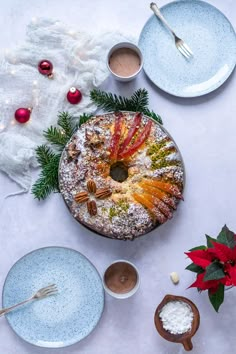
column 84, row 118
column 48, row 179
column 44, row 155
column 152, row 115
column 109, row 101
column 65, row 122
column 56, row 137
column 138, row 102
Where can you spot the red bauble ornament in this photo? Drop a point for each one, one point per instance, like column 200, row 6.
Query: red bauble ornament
column 22, row 115
column 74, row 96
column 45, row 67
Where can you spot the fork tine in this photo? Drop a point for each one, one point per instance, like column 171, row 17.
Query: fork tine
column 49, row 287
column 188, row 55
column 49, row 292
column 182, row 51
column 187, row 48
column 54, row 288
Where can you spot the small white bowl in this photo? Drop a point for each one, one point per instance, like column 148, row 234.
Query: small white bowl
column 123, row 45
column 122, row 295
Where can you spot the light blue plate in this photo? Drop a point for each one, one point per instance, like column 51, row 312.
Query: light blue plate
column 62, row 319
column 207, row 32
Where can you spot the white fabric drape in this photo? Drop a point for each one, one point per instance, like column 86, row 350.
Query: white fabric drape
column 78, row 59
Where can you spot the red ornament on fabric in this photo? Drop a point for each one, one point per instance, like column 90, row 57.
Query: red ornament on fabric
column 74, row 96
column 45, row 67
column 22, row 115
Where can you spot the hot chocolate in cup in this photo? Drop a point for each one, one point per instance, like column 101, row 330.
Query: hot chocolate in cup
column 125, row 61
column 121, row 279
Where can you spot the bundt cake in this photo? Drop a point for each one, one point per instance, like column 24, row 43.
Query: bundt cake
column 121, row 175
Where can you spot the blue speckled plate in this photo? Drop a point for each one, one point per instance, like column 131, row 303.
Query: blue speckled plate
column 62, row 319
column 207, row 32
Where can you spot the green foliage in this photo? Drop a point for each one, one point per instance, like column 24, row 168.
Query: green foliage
column 56, row 136
column 226, row 237
column 214, row 271
column 138, row 102
column 48, row 179
column 195, row 268
column 202, row 247
column 217, row 298
column 84, row 118
column 65, row 121
column 209, row 241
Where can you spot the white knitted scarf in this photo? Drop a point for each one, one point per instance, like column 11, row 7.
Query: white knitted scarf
column 78, row 60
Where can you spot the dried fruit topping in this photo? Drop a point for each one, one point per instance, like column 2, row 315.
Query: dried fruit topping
column 142, row 137
column 132, row 131
column 92, row 207
column 159, row 194
column 81, row 197
column 91, row 186
column 103, row 193
column 164, row 209
column 156, row 214
column 164, row 186
column 115, row 140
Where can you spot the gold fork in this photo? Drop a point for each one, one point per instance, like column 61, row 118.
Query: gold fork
column 40, row 294
column 179, row 43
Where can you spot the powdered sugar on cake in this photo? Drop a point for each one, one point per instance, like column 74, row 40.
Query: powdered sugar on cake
column 118, row 215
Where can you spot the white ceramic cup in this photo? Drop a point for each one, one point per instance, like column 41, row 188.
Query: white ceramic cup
column 126, row 294
column 128, row 45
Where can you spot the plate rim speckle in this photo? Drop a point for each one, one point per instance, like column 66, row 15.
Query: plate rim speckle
column 216, row 85
column 76, row 340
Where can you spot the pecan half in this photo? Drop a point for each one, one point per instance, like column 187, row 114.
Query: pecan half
column 92, row 207
column 81, row 197
column 103, row 193
column 91, row 186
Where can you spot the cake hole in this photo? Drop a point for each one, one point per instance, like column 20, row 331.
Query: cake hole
column 119, row 172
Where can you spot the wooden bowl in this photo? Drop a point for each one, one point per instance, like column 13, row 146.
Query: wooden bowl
column 184, row 338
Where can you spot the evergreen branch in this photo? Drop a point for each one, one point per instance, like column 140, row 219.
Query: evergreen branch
column 65, row 122
column 109, row 101
column 152, row 115
column 44, row 155
column 138, row 102
column 48, row 179
column 83, row 119
column 56, row 137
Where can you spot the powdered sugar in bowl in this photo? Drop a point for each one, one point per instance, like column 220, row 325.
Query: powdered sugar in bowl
column 177, row 319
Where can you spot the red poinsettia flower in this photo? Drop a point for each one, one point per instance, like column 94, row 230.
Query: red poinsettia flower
column 215, row 265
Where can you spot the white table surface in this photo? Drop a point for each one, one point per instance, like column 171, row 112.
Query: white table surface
column 204, row 129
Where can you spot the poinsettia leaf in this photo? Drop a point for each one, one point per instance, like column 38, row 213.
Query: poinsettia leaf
column 198, row 248
column 209, row 241
column 204, row 285
column 200, row 257
column 217, row 298
column 194, row 268
column 222, row 252
column 214, row 272
column 226, row 237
